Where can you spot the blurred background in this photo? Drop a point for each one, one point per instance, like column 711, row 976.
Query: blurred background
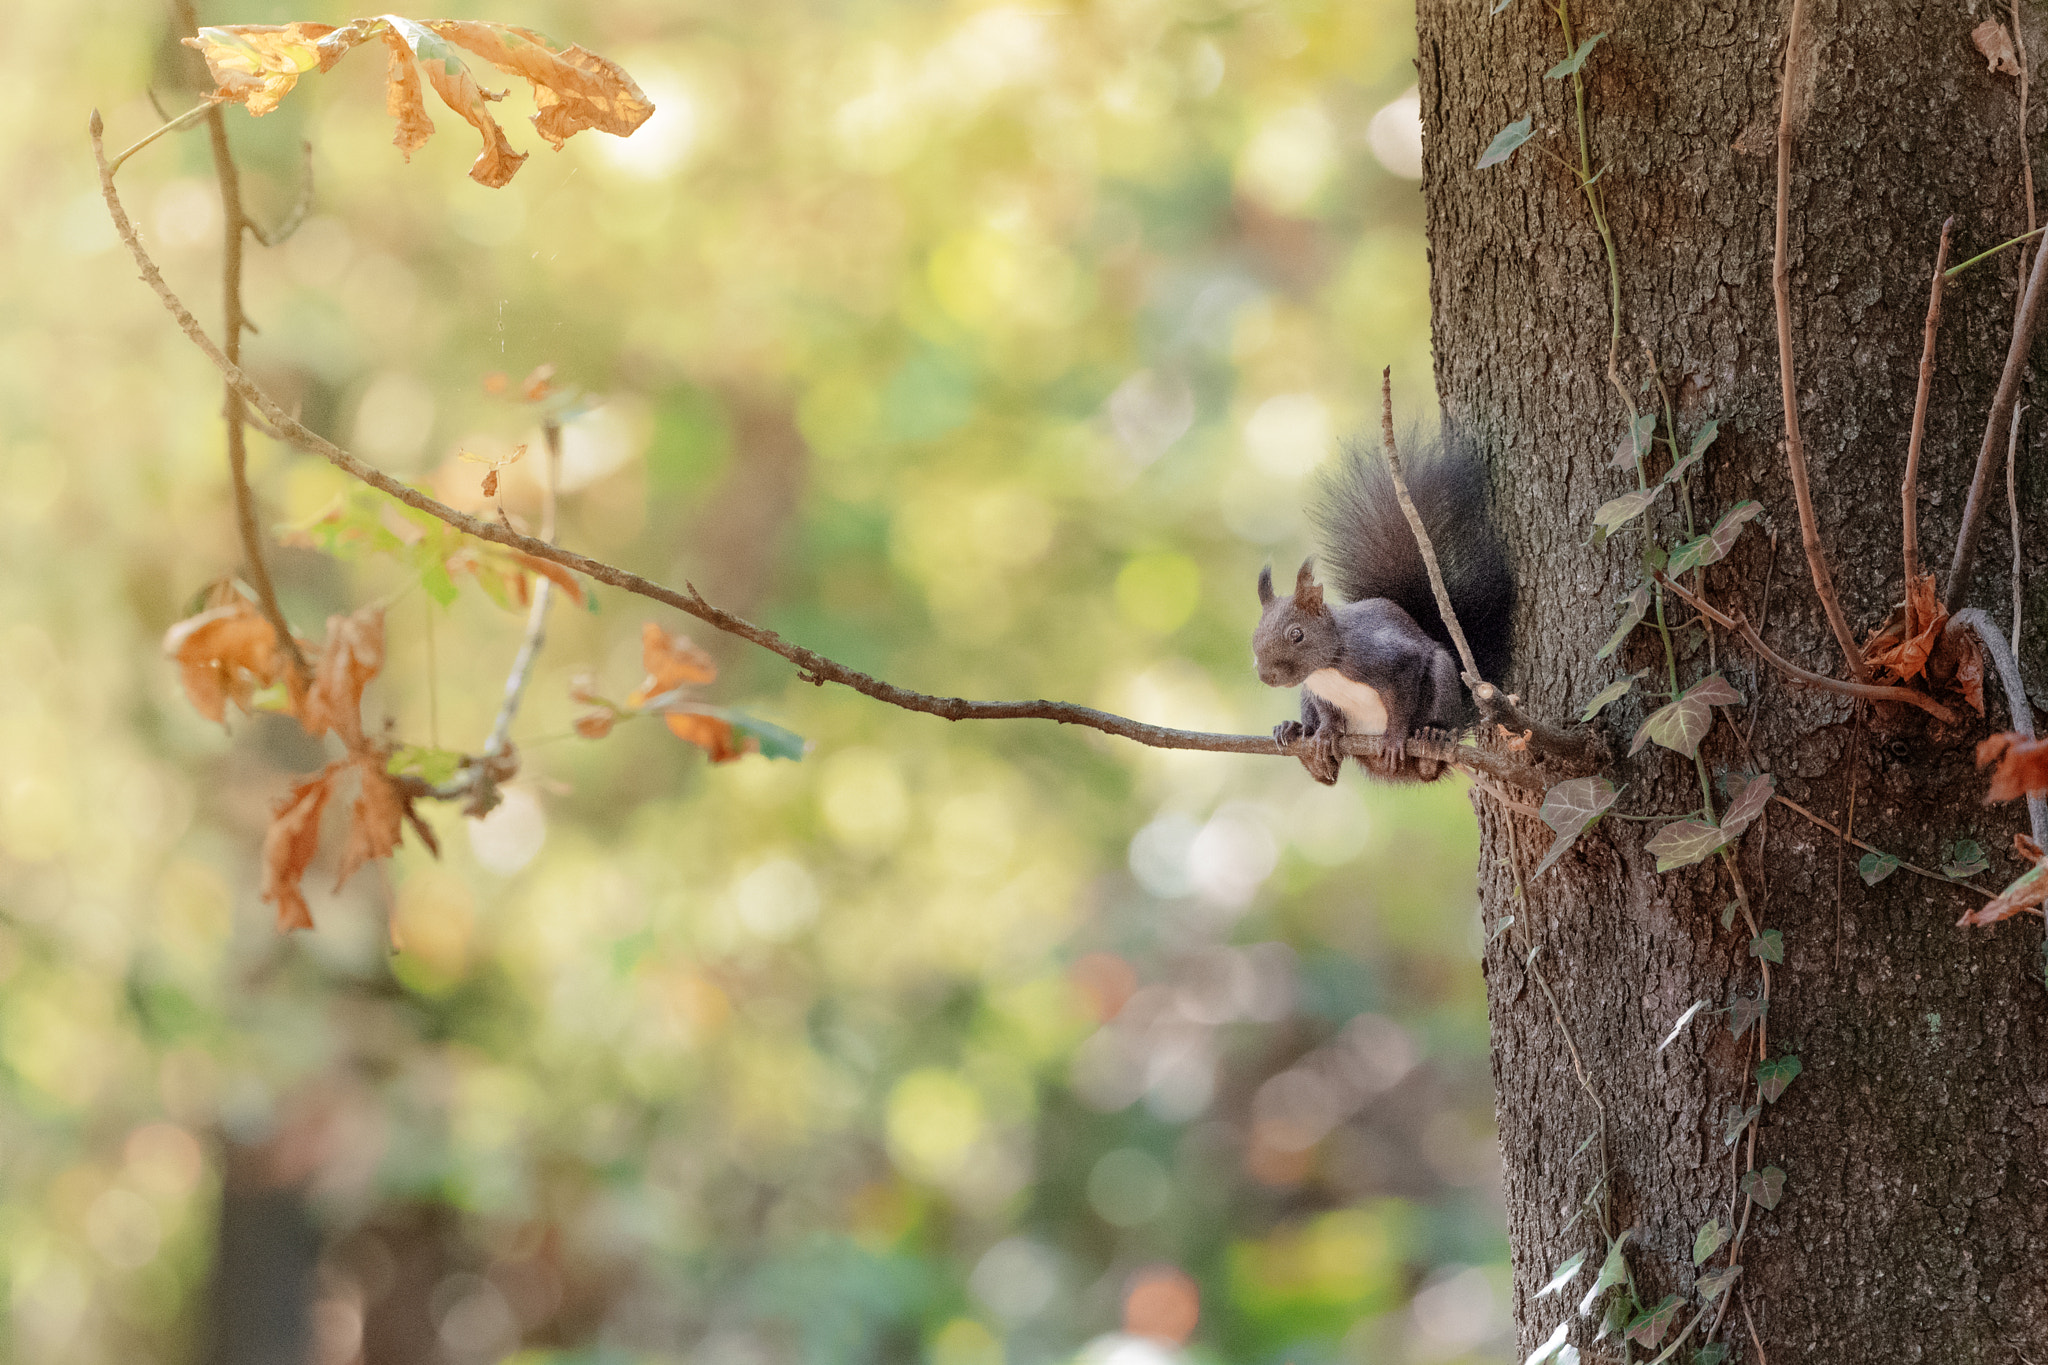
column 988, row 348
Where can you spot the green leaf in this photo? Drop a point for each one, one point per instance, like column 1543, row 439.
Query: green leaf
column 1683, row 843
column 1766, row 1186
column 1615, row 1319
column 1570, row 808
column 1616, row 513
column 1506, row 141
column 1506, row 921
column 1613, row 1271
column 1682, row 724
column 439, row 586
column 1562, row 1276
column 1965, row 859
column 1552, row 1344
column 1728, row 913
column 1769, row 945
column 1738, row 1123
column 1650, row 1325
column 1708, row 1241
column 773, row 740
column 1633, row 607
column 1773, row 1076
column 1635, row 442
column 1608, row 695
column 1747, row 1010
column 1570, row 65
column 1500, row 7
column 1749, row 803
column 1683, row 1020
column 1713, row 547
column 1703, row 438
column 1711, row 1287
column 1875, row 867
column 434, row 766
column 1713, row 1353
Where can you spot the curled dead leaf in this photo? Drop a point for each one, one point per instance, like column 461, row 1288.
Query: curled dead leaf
column 224, row 654
column 354, row 654
column 554, row 573
column 671, row 661
column 712, row 734
column 291, row 843
column 1995, row 43
column 377, row 819
column 2027, row 892
column 256, row 65
column 2022, row 766
column 595, row 724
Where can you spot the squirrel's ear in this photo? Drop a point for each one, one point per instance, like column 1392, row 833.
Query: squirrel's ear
column 1308, row 594
column 1266, row 586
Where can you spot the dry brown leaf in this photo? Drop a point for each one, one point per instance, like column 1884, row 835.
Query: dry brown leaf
column 256, row 65
column 224, row 654
column 572, row 89
column 291, row 843
column 490, row 483
column 377, row 818
column 1995, row 44
column 554, row 573
column 671, row 661
column 403, row 98
column 2027, row 892
column 709, row 733
column 354, row 654
column 2022, row 766
column 1900, row 650
column 595, row 724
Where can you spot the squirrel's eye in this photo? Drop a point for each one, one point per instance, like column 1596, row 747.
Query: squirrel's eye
column 1295, row 635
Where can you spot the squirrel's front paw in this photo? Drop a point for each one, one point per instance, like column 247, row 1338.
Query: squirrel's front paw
column 1287, row 731
column 1324, row 756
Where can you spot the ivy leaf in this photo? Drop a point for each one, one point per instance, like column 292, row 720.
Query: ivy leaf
column 1650, row 1325
column 1766, row 1186
column 1506, row 141
column 1500, row 6
column 1633, row 607
column 1728, row 913
column 1616, row 513
column 1773, row 1076
column 1615, row 1319
column 1711, row 1287
column 1570, row 808
column 1711, row 1236
column 1965, row 859
column 1746, row 1010
column 1703, row 438
column 1683, row 1020
column 1714, row 546
column 1738, row 1123
column 1636, row 443
column 1749, row 803
column 1713, row 1353
column 1613, row 1271
column 1683, row 843
column 1875, row 867
column 1570, row 65
column 1552, row 1344
column 1769, row 945
column 1682, row 724
column 1683, row 465
column 1608, row 695
column 1562, row 1276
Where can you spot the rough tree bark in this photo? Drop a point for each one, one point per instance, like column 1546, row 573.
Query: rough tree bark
column 1913, row 1225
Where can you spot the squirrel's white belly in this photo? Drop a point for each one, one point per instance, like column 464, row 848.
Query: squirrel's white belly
column 1364, row 712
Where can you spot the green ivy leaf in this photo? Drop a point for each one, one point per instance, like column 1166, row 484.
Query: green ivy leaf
column 1749, row 803
column 1683, row 843
column 1683, row 1020
column 1552, row 1344
column 1682, row 724
column 1607, row 696
column 1613, row 1271
column 1562, row 1276
column 1773, row 1076
column 1738, row 1123
column 1766, row 1186
column 1728, row 913
column 1635, row 442
column 1965, row 859
column 1650, row 1325
column 1769, row 945
column 1708, row 1241
column 1615, row 1319
column 1713, row 547
column 1616, row 513
column 1570, row 66
column 1712, row 1286
column 1571, row 807
column 1713, row 1353
column 1633, row 607
column 1875, row 867
column 1506, row 141
column 1746, row 1010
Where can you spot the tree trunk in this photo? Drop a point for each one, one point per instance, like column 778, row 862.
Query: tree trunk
column 1912, row 1224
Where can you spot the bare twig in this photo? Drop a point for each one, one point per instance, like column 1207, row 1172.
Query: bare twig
column 812, row 666
column 1781, row 289
column 2008, row 244
column 1994, row 430
column 1909, row 491
column 176, row 125
column 537, row 611
column 301, row 206
column 1436, row 573
column 1980, row 623
column 2012, row 500
column 1868, row 691
column 2019, row 40
column 1913, row 868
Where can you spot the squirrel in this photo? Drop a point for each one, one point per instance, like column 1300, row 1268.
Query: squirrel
column 1381, row 662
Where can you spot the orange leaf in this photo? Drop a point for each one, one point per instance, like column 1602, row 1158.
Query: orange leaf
column 572, row 89
column 595, row 724
column 540, row 383
column 256, row 65
column 377, row 819
column 554, row 573
column 291, row 842
column 709, row 733
column 224, row 654
column 1901, row 649
column 354, row 654
column 671, row 661
column 2028, row 892
column 2022, row 766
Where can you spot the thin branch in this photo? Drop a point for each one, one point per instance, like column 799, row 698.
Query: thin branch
column 1916, row 870
column 1868, row 691
column 176, row 125
column 1994, row 430
column 812, row 666
column 2006, row 245
column 296, row 215
column 537, row 612
column 1909, row 491
column 2012, row 500
column 1436, row 573
column 1980, row 623
column 2019, row 39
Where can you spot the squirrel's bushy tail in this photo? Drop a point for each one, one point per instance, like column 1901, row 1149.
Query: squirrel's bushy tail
column 1369, row 550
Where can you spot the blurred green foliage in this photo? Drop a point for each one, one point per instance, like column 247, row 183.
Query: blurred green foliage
column 990, row 349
